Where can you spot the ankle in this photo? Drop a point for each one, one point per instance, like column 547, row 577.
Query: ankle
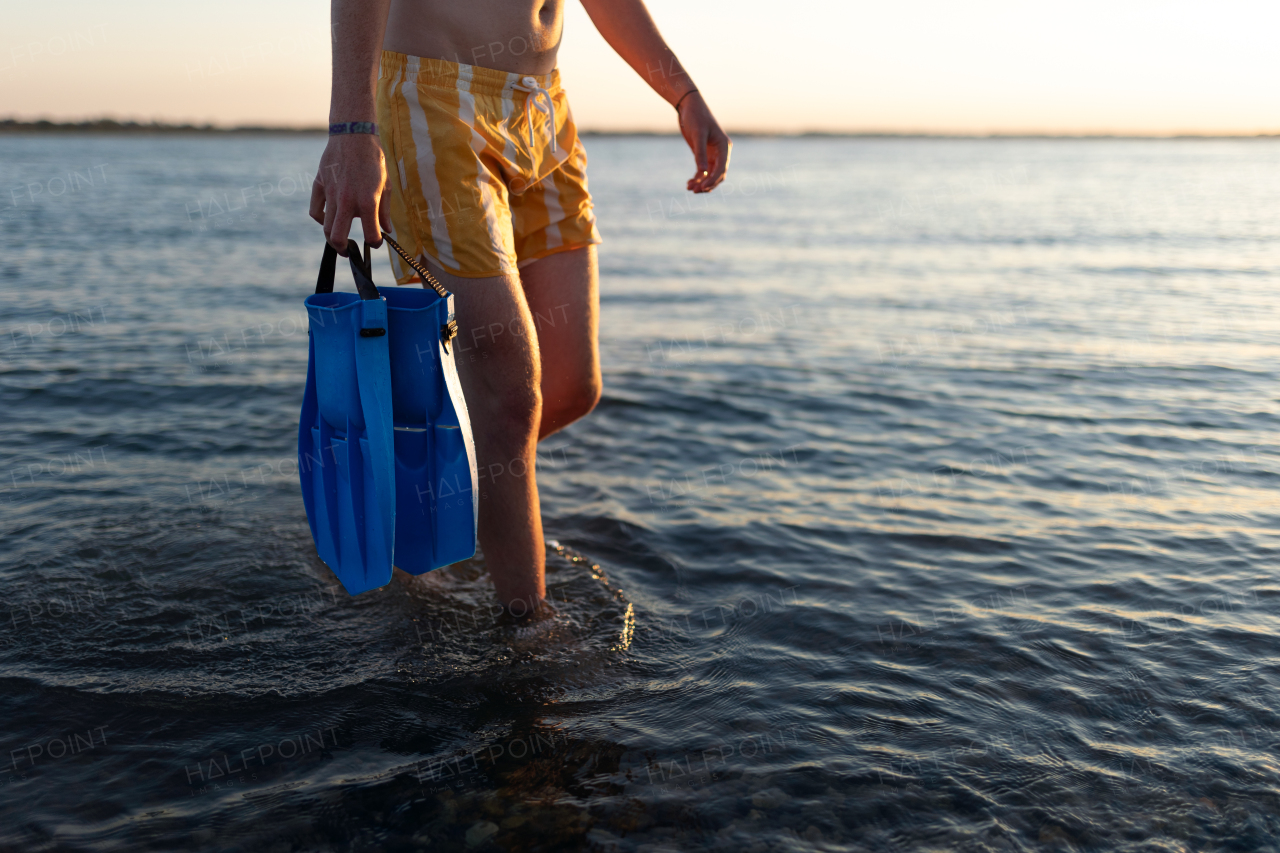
column 531, row 606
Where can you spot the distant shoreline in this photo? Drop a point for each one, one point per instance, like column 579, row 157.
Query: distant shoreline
column 14, row 126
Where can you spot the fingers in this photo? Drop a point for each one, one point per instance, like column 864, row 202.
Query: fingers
column 369, row 224
column 712, row 171
column 317, row 200
column 719, row 164
column 700, row 158
column 384, row 212
column 337, row 227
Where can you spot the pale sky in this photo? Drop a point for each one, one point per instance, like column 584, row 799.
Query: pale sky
column 1126, row 66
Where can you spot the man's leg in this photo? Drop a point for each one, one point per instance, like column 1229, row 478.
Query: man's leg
column 563, row 294
column 497, row 357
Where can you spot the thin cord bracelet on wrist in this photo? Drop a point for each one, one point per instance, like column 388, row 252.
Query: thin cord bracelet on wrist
column 682, row 97
column 353, row 127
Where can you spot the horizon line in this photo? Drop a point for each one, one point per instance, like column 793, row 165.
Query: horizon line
column 111, row 125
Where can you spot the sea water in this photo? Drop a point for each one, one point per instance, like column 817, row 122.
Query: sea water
column 931, row 504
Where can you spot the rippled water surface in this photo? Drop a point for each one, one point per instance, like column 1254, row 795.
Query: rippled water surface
column 931, row 505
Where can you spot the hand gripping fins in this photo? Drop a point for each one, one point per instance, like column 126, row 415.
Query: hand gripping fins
column 398, row 392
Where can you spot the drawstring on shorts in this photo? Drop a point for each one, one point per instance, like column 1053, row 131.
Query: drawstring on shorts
column 539, row 99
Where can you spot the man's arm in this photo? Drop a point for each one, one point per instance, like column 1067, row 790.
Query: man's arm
column 629, row 29
column 352, row 175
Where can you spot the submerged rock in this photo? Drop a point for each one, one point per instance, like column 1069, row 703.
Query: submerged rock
column 481, row 832
column 769, row 798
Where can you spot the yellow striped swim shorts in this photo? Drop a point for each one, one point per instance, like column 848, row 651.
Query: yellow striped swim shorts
column 485, row 170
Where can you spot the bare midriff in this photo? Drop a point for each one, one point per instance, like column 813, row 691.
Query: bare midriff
column 521, row 36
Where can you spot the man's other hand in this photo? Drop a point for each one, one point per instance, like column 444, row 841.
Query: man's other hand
column 709, row 143
column 350, row 184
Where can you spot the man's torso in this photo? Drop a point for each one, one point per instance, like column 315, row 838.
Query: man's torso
column 521, row 36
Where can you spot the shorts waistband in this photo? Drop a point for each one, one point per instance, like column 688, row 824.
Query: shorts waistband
column 457, row 75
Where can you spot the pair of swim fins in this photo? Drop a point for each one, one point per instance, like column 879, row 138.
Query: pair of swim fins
column 385, row 453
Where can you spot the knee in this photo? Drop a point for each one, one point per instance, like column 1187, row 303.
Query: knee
column 513, row 413
column 589, row 395
column 576, row 400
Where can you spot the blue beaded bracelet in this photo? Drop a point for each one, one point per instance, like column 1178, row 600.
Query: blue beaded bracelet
column 354, row 127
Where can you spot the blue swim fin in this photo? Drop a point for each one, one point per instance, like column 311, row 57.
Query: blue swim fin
column 345, row 435
column 437, row 494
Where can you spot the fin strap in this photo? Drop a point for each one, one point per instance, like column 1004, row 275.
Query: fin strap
column 360, row 269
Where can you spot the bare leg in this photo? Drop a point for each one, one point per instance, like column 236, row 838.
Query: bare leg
column 497, row 357
column 563, row 294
